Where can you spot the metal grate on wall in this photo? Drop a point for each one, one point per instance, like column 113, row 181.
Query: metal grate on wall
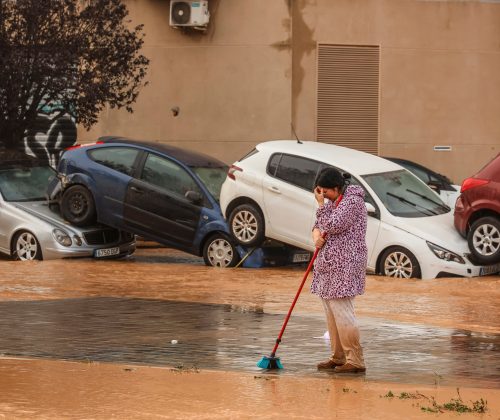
column 348, row 96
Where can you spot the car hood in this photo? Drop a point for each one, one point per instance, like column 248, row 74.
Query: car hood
column 40, row 210
column 436, row 229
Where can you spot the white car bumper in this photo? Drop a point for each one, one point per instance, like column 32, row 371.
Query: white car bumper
column 442, row 268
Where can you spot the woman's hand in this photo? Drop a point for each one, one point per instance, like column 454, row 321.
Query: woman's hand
column 318, row 195
column 319, row 242
column 318, row 239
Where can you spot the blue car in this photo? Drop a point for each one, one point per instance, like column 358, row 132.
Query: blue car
column 160, row 192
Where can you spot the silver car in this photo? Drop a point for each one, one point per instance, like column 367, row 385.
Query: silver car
column 30, row 230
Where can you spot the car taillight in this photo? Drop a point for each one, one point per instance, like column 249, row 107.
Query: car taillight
column 232, row 170
column 76, row 146
column 473, row 183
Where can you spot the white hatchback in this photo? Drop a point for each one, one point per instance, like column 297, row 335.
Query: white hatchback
column 268, row 194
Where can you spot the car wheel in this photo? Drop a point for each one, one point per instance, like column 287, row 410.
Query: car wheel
column 399, row 262
column 219, row 251
column 484, row 240
column 247, row 225
column 77, row 206
column 25, row 247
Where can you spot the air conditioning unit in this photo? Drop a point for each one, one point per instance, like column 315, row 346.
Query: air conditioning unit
column 193, row 14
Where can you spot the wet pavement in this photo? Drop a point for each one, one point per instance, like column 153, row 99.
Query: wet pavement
column 230, row 337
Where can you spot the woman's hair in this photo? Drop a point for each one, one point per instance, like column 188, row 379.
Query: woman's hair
column 330, row 178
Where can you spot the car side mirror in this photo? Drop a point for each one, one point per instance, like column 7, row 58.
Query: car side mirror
column 194, row 197
column 370, row 208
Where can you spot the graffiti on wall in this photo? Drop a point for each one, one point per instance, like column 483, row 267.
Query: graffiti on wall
column 50, row 136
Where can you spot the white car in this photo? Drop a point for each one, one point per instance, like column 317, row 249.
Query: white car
column 268, row 194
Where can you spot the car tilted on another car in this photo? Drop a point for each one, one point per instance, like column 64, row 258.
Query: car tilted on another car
column 268, row 193
column 29, row 230
column 160, row 192
column 477, row 213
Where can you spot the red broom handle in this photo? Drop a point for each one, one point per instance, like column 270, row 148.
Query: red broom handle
column 309, row 267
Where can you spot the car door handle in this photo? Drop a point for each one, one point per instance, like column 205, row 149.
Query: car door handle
column 137, row 190
column 274, row 189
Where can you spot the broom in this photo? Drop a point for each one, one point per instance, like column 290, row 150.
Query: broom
column 271, row 361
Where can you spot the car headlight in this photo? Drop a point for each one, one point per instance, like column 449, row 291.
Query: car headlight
column 61, row 237
column 77, row 240
column 444, row 254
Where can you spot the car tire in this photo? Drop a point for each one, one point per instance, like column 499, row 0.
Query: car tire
column 400, row 263
column 484, row 240
column 246, row 224
column 77, row 206
column 219, row 251
column 25, row 247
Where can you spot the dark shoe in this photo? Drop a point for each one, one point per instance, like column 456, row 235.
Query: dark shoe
column 328, row 364
column 348, row 368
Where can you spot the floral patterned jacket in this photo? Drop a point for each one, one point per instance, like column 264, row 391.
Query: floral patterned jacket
column 340, row 267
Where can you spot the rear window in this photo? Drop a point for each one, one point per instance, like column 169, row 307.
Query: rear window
column 295, row 170
column 120, row 159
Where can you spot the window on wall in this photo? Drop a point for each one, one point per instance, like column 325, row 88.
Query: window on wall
column 348, row 96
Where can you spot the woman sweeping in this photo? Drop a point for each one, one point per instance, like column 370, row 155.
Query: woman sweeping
column 339, row 270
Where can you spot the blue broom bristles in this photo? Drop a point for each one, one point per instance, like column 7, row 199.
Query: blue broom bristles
column 263, row 363
column 270, row 363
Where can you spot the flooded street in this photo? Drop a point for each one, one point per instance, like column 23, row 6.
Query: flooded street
column 225, row 337
column 162, row 317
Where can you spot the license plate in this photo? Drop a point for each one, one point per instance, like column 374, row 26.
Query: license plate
column 302, row 257
column 490, row 269
column 107, row 252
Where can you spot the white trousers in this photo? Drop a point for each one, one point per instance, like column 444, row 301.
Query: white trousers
column 344, row 331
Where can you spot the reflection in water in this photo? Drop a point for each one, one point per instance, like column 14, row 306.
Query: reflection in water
column 235, row 337
column 159, row 273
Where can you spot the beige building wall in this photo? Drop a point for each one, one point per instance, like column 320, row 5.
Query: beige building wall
column 253, row 73
column 232, row 84
column 439, row 74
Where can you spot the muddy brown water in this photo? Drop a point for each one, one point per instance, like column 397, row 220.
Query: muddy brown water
column 45, row 389
column 435, row 331
column 225, row 337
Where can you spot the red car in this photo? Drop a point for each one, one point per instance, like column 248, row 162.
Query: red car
column 477, row 213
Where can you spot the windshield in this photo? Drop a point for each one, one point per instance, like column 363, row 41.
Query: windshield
column 213, row 178
column 405, row 195
column 25, row 184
